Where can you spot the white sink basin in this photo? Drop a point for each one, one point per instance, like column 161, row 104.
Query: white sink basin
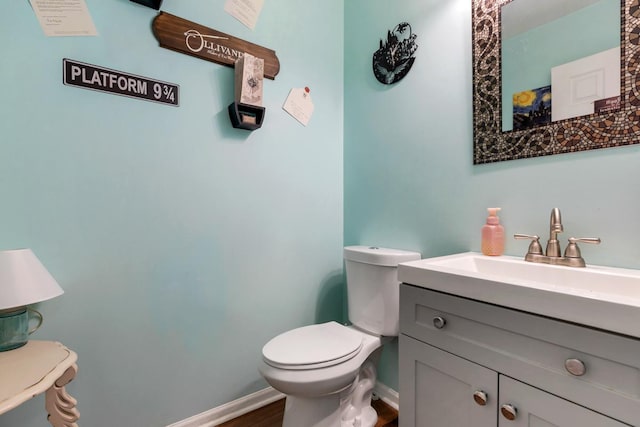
column 602, row 297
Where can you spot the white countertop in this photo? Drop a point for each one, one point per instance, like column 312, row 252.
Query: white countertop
column 602, row 297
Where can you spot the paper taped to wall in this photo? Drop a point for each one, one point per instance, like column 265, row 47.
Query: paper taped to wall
column 299, row 105
column 245, row 11
column 60, row 18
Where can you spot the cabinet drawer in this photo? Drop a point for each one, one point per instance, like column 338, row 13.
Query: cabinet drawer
column 532, row 348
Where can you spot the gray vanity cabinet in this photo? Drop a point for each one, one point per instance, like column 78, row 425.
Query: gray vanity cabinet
column 535, row 408
column 465, row 363
column 438, row 389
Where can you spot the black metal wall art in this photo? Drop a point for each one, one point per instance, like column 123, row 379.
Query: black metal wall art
column 393, row 60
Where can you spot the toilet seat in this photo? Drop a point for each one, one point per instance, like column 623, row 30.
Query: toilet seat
column 313, row 347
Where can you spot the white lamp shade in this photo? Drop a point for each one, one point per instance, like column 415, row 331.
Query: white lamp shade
column 24, row 280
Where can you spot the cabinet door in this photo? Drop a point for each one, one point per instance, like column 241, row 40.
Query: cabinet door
column 439, row 389
column 536, row 408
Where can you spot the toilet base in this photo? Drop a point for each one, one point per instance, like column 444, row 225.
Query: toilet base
column 312, row 412
column 350, row 408
column 324, row 412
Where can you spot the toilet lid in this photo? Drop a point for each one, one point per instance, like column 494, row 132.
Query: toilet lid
column 313, row 346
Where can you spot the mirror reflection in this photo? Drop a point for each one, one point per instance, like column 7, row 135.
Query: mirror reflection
column 559, row 60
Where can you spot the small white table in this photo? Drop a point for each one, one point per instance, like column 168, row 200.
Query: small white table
column 40, row 367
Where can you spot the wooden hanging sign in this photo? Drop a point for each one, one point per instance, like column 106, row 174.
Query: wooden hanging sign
column 196, row 40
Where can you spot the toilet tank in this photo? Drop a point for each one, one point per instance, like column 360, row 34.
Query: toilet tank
column 373, row 289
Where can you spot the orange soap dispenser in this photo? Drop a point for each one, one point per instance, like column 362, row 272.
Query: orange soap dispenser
column 492, row 234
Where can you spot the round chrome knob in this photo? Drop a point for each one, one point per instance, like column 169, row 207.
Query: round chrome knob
column 575, row 367
column 439, row 322
column 509, row 411
column 480, row 397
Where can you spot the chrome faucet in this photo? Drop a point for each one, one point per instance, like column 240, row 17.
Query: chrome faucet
column 572, row 256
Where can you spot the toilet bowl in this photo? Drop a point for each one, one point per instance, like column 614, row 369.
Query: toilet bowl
column 328, row 382
column 328, row 370
column 328, row 359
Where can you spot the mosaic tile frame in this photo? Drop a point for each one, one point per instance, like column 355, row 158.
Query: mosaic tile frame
column 603, row 130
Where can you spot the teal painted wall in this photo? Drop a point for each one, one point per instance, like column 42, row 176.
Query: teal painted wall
column 182, row 244
column 409, row 178
column 527, row 58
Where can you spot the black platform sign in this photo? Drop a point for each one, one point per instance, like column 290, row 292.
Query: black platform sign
column 105, row 80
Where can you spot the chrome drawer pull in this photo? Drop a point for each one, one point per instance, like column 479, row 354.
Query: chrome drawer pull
column 575, row 367
column 509, row 411
column 439, row 322
column 480, row 397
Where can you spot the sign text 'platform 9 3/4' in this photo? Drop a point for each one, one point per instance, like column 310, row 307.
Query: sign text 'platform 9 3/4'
column 102, row 79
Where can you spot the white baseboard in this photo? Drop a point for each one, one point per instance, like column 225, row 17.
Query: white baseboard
column 231, row 410
column 387, row 395
column 246, row 404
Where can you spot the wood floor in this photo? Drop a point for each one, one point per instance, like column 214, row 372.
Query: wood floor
column 271, row 416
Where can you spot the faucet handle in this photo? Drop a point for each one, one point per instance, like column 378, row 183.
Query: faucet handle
column 534, row 246
column 593, row 240
column 573, row 251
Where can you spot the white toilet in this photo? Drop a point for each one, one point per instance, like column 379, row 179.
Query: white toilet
column 328, row 371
